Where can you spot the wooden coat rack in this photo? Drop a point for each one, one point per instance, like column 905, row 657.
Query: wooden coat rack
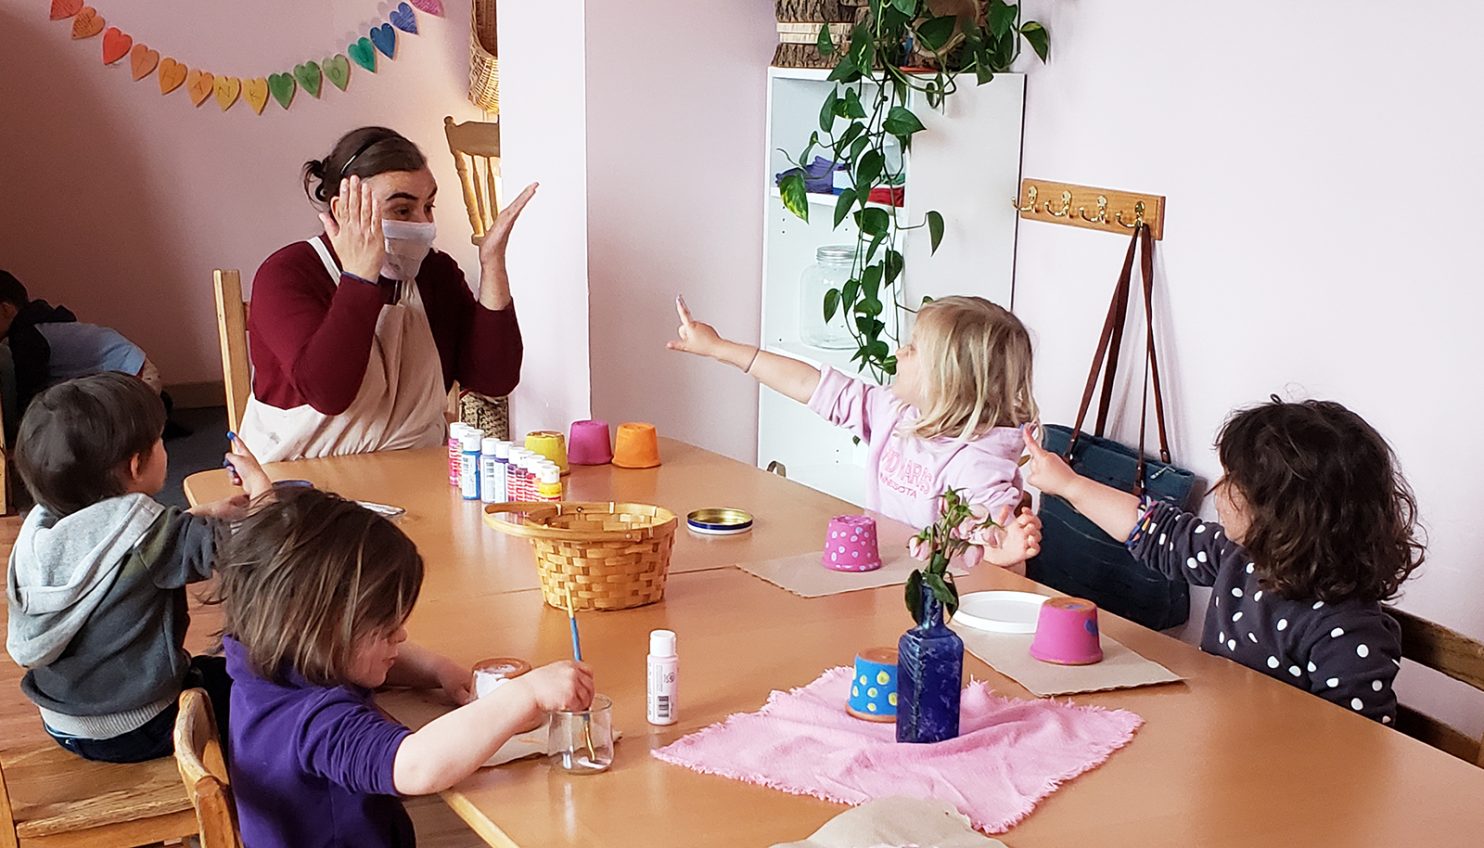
column 1106, row 209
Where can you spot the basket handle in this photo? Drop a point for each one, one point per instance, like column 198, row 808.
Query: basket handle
column 544, row 509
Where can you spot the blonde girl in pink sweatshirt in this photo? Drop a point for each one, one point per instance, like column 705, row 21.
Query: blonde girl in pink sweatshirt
column 950, row 420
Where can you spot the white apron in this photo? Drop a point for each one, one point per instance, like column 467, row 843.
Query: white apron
column 400, row 404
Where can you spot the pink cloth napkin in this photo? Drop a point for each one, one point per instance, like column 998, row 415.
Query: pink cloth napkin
column 1009, row 754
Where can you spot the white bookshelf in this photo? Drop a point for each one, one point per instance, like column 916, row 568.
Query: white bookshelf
column 966, row 165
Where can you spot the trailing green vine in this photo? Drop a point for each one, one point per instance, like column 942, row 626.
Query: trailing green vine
column 897, row 47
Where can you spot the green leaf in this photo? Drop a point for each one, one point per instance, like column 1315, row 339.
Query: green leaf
column 824, row 44
column 831, row 304
column 983, row 73
column 870, row 306
column 876, row 242
column 877, row 349
column 868, row 169
column 827, row 111
column 843, row 204
column 845, row 71
column 858, row 148
column 1039, row 39
column 936, row 32
column 849, row 293
column 862, row 47
column 926, row 299
column 871, row 282
column 914, row 595
column 894, row 265
column 795, row 196
column 906, row 7
column 1001, row 17
column 901, row 123
column 935, row 229
column 873, row 221
column 851, row 133
column 853, row 107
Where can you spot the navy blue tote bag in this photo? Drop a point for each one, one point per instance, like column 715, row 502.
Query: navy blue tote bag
column 1077, row 557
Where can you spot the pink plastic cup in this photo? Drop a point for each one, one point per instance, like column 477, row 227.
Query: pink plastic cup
column 850, row 544
column 588, row 443
column 1067, row 633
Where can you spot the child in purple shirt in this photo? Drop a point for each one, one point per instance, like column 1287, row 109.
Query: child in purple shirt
column 316, row 590
column 950, row 419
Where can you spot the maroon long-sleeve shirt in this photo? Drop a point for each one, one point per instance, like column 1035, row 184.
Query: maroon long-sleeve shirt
column 310, row 340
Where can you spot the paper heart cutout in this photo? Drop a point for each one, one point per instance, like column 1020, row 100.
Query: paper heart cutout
column 432, row 7
column 282, row 87
column 142, row 61
column 363, row 54
column 87, row 23
column 63, row 9
column 227, row 89
column 255, row 92
column 385, row 39
column 308, row 75
column 337, row 70
column 199, row 85
column 402, row 18
column 172, row 74
column 116, row 44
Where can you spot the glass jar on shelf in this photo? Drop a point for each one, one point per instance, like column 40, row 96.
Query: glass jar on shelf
column 831, row 270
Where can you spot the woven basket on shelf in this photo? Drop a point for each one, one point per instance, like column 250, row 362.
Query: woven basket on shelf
column 484, row 66
column 609, row 556
column 492, row 415
column 798, row 31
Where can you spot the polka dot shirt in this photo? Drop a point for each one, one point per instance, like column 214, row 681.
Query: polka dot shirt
column 1347, row 653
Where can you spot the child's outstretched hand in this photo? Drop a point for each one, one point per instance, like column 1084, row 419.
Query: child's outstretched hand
column 1046, row 471
column 456, row 681
column 1017, row 540
column 227, row 509
column 695, row 337
column 244, row 467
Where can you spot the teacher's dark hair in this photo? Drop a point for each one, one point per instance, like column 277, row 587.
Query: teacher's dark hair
column 362, row 153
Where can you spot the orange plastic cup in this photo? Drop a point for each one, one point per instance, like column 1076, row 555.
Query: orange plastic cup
column 636, row 446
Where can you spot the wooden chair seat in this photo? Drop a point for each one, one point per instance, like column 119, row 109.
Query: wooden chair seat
column 58, row 799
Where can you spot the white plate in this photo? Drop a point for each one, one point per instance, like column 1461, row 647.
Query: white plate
column 1000, row 612
column 383, row 509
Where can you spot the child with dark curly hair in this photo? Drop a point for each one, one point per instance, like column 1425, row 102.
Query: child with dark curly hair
column 1318, row 527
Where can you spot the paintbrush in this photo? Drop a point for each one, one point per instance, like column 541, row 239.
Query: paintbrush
column 587, row 720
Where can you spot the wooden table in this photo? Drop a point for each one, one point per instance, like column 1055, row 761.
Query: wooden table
column 1228, row 758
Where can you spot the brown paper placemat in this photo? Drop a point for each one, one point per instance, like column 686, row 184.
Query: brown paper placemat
column 1010, row 655
column 897, row 821
column 806, row 577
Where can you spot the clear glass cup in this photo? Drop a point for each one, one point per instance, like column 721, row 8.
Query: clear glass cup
column 581, row 741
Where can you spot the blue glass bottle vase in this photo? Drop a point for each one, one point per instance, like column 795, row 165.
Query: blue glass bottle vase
column 930, row 672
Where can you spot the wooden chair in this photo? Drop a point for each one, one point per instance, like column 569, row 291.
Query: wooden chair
column 203, row 770
column 1453, row 654
column 476, row 155
column 231, row 326
column 51, row 798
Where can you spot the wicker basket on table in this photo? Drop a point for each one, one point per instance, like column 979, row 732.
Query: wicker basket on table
column 609, row 556
column 484, row 64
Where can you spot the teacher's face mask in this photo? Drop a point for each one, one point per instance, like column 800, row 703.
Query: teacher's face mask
column 407, row 245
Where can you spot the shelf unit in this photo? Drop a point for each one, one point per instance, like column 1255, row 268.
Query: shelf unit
column 966, row 165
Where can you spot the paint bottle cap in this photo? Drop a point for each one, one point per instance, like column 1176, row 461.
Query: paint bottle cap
column 662, row 643
column 550, row 474
column 502, row 449
column 471, row 439
column 489, row 446
column 456, row 431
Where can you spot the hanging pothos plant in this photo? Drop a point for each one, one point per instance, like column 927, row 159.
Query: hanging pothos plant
column 895, row 48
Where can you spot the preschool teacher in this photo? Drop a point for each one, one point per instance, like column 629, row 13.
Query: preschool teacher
column 357, row 335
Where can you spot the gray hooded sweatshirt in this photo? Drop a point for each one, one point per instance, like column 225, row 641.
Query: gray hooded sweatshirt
column 98, row 610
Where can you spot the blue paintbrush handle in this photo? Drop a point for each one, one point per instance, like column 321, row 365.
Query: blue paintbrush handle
column 576, row 641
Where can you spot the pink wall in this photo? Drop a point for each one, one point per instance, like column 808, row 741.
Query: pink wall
column 119, row 201
column 676, row 96
column 1320, row 239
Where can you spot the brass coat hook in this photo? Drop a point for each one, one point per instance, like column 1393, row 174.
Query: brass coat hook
column 1066, row 206
column 1030, row 196
column 1101, row 217
column 1138, row 216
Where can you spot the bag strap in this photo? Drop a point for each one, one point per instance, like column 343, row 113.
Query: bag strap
column 1112, row 335
column 1151, row 364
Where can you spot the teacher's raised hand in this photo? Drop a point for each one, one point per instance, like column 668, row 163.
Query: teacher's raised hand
column 354, row 227
column 494, row 282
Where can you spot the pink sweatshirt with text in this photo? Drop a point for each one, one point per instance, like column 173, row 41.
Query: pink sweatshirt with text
column 907, row 473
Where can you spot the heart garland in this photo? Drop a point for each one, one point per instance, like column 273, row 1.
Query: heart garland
column 201, row 85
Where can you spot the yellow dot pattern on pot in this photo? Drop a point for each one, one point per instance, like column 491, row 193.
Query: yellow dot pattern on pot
column 873, row 687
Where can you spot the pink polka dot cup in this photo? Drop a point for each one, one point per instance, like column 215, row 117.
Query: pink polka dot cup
column 1067, row 633
column 850, row 544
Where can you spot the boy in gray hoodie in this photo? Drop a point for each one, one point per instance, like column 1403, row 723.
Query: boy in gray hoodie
column 96, row 583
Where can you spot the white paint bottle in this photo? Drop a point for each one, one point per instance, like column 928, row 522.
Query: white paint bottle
column 664, row 683
column 491, row 472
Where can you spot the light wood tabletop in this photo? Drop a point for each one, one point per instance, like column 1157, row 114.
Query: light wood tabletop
column 1228, row 757
column 463, row 556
